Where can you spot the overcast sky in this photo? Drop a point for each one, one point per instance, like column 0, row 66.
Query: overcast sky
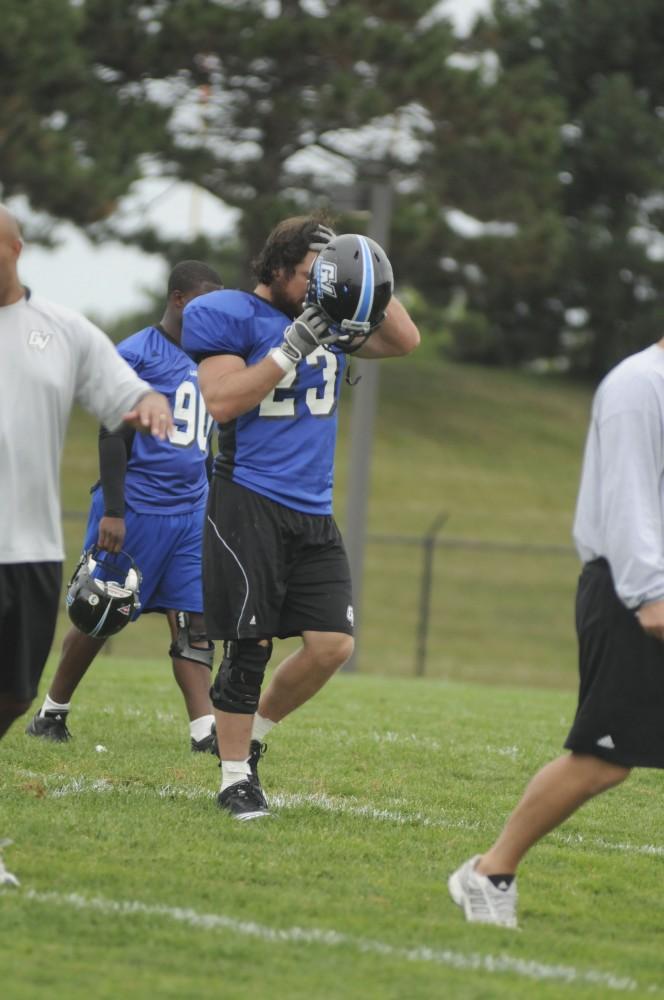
column 110, row 280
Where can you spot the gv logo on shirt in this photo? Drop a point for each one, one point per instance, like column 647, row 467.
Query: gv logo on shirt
column 38, row 339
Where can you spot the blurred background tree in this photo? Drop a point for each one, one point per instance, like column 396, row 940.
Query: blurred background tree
column 526, row 160
column 603, row 60
column 72, row 132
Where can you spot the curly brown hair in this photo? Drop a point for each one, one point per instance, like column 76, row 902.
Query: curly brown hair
column 286, row 246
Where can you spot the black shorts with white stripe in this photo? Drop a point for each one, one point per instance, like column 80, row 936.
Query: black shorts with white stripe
column 620, row 710
column 271, row 571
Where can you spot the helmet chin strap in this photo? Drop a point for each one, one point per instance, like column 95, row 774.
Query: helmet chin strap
column 352, row 342
column 349, row 379
column 133, row 576
column 355, row 327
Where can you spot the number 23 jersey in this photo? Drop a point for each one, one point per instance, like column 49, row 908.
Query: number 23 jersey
column 284, row 447
column 168, row 476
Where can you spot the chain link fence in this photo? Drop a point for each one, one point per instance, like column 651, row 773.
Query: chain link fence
column 439, row 607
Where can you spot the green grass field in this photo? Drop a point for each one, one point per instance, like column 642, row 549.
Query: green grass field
column 134, row 884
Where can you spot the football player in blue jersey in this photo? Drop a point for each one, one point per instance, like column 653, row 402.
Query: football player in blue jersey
column 150, row 501
column 274, row 564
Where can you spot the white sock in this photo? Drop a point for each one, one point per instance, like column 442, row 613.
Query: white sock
column 200, row 728
column 52, row 706
column 233, row 771
column 261, row 727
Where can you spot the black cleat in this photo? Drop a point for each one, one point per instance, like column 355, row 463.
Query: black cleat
column 51, row 726
column 244, row 800
column 256, row 751
column 208, row 744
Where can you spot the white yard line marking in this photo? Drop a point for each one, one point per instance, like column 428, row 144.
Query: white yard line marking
column 607, row 845
column 351, row 807
column 471, row 962
column 340, row 806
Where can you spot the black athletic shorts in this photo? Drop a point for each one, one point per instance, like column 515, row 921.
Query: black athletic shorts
column 29, row 599
column 620, row 714
column 269, row 570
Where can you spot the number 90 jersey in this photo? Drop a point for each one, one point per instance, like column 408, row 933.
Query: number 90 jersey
column 283, row 448
column 168, row 476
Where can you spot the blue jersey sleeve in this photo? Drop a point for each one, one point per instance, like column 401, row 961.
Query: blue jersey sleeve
column 167, row 477
column 218, row 323
column 127, row 350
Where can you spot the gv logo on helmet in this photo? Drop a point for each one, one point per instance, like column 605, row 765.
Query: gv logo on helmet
column 327, row 276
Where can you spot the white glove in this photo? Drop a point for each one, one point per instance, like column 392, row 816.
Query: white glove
column 304, row 335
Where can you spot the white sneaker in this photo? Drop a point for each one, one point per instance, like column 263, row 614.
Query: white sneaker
column 481, row 900
column 6, row 878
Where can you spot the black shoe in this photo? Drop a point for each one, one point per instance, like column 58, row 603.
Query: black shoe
column 244, row 800
column 256, row 751
column 208, row 744
column 51, row 726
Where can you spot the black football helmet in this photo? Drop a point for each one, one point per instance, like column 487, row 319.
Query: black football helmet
column 351, row 281
column 97, row 603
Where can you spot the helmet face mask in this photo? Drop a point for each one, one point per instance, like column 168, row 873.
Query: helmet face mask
column 351, row 281
column 102, row 596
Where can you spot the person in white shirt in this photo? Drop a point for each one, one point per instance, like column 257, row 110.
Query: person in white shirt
column 619, row 535
column 50, row 357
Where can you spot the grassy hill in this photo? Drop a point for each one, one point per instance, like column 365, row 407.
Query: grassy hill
column 134, row 885
column 500, row 453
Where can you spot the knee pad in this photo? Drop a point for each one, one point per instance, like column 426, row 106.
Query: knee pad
column 182, row 648
column 237, row 686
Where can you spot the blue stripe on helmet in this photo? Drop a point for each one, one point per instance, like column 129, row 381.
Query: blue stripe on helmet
column 102, row 621
column 365, row 301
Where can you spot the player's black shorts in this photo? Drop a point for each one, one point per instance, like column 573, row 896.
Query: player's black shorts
column 271, row 571
column 620, row 714
column 29, row 599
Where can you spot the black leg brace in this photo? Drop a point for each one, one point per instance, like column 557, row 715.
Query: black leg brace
column 183, row 649
column 237, row 686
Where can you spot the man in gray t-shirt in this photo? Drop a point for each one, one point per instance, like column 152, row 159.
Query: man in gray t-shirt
column 619, row 535
column 50, row 358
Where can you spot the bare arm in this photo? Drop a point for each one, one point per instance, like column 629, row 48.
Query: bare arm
column 231, row 388
column 651, row 618
column 397, row 335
